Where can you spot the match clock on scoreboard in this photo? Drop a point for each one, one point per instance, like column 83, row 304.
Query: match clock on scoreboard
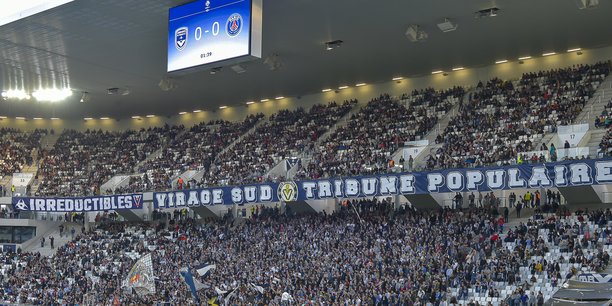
column 209, row 33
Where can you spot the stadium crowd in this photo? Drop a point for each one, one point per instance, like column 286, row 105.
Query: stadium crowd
column 285, row 134
column 365, row 144
column 503, row 118
column 496, row 123
column 364, row 254
column 16, row 149
column 80, row 162
column 606, row 144
column 605, row 121
column 195, row 149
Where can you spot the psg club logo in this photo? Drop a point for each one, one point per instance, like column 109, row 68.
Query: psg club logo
column 234, row 25
column 180, row 38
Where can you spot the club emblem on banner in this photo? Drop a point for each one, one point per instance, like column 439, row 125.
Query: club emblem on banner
column 180, row 38
column 137, row 198
column 287, row 192
column 21, row 205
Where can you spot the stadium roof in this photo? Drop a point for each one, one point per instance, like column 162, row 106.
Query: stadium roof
column 95, row 45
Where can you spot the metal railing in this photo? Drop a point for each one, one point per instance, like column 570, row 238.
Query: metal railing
column 577, row 152
column 465, row 203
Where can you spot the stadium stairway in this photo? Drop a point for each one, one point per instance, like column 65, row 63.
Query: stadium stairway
column 5, row 182
column 280, row 169
column 595, row 137
column 204, row 212
column 35, row 185
column 300, row 208
column 48, row 141
column 597, row 103
column 342, row 121
column 580, row 195
column 59, row 241
column 237, row 140
column 43, row 229
column 423, row 201
column 421, row 160
column 157, row 152
column 150, row 157
column 198, row 174
column 129, row 215
column 592, row 108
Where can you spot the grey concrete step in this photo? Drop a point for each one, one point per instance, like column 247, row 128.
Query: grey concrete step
column 59, row 241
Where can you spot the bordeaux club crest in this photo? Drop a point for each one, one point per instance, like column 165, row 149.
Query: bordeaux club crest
column 180, row 38
column 287, row 192
column 234, row 25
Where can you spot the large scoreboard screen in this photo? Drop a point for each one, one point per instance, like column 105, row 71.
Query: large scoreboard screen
column 208, row 33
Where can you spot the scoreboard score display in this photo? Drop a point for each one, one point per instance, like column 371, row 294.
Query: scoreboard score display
column 210, row 33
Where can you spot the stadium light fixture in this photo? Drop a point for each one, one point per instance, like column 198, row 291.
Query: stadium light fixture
column 548, row 53
column 3, row 117
column 37, row 118
column 265, row 100
column 573, row 50
column 343, row 87
column 397, row 78
column 87, row 118
column 197, row 111
column 52, row 95
column 330, row 45
column 18, row 94
column 104, row 118
column 84, row 97
column 414, row 33
column 524, row 58
column 16, row 10
column 150, row 116
column 279, row 98
column 136, row 117
column 360, row 84
column 182, row 113
column 437, row 72
column 223, row 107
column 54, row 118
column 458, row 68
column 587, row 4
column 447, row 25
column 326, row 90
column 20, row 118
column 489, row 12
column 250, row 102
column 501, row 61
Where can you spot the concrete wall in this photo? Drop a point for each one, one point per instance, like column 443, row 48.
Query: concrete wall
column 328, row 205
column 43, row 228
column 238, row 110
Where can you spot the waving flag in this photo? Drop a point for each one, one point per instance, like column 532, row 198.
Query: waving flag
column 258, row 288
column 193, row 284
column 204, row 269
column 141, row 278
